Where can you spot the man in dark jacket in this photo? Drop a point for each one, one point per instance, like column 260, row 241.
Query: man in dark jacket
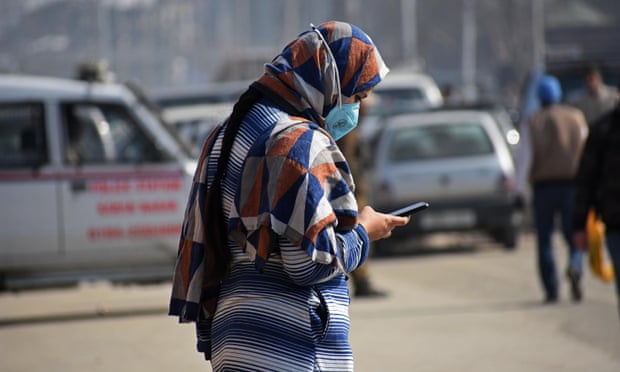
column 598, row 186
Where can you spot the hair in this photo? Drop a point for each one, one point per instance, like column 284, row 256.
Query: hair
column 215, row 212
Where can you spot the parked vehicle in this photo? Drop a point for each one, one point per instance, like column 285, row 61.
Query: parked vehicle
column 92, row 184
column 502, row 118
column 400, row 92
column 194, row 111
column 459, row 162
column 194, row 123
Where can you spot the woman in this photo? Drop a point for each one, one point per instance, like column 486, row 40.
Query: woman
column 271, row 227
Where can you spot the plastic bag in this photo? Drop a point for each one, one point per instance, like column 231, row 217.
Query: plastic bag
column 599, row 264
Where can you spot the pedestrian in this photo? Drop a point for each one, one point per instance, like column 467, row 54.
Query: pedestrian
column 556, row 136
column 272, row 225
column 597, row 187
column 597, row 98
column 351, row 147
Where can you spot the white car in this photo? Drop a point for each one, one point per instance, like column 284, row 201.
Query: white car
column 403, row 92
column 92, row 184
column 459, row 162
column 400, row 92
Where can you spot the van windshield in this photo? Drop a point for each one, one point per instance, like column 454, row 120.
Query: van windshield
column 155, row 110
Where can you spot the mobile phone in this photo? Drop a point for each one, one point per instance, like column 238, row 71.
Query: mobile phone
column 410, row 209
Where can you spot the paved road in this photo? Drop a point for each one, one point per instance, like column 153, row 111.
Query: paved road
column 463, row 310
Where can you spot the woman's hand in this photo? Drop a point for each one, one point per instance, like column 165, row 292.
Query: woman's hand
column 379, row 225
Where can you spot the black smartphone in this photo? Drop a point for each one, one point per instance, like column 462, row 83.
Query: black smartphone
column 410, row 209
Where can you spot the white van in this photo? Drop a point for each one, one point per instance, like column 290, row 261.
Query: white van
column 92, row 184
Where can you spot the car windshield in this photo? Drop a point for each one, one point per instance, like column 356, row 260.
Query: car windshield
column 438, row 141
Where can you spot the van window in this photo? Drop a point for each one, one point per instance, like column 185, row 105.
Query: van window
column 22, row 136
column 106, row 134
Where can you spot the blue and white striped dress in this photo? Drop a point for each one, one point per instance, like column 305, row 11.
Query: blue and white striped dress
column 294, row 315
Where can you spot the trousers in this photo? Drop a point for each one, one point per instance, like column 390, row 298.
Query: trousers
column 553, row 200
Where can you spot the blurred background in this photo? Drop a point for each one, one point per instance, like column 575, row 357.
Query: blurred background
column 479, row 48
column 161, row 73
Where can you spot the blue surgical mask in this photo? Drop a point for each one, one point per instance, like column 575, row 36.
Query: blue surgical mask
column 342, row 119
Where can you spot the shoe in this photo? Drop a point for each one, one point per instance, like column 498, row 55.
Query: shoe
column 574, row 278
column 365, row 289
column 551, row 298
column 370, row 292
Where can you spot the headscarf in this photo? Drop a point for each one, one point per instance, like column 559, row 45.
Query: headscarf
column 278, row 186
column 302, row 74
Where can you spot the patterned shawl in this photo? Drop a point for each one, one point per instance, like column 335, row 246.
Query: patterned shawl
column 295, row 181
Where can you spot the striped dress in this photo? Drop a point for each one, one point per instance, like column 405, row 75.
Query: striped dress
column 294, row 315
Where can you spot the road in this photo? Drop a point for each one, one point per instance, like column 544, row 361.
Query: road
column 466, row 309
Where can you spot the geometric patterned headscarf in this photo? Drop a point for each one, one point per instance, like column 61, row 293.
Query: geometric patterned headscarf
column 303, row 75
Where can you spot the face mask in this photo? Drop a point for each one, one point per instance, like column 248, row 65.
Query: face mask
column 342, row 119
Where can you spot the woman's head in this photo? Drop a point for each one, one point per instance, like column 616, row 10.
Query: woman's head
column 304, row 72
